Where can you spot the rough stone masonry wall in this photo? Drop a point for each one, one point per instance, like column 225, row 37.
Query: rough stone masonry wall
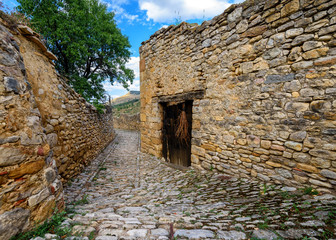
column 47, row 132
column 127, row 122
column 268, row 71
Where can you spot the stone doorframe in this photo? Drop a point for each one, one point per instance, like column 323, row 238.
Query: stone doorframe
column 176, row 98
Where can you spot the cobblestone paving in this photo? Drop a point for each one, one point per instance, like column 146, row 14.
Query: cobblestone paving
column 150, row 200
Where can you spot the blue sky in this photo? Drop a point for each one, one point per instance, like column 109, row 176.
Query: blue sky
column 139, row 19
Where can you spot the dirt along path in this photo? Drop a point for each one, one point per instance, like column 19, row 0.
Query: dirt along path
column 127, row 195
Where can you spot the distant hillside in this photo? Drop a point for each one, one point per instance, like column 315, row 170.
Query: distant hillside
column 131, row 95
column 129, row 108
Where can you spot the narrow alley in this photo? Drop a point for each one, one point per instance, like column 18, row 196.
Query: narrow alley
column 127, row 195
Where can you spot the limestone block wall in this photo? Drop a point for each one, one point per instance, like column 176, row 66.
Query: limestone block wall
column 268, row 72
column 48, row 133
column 127, row 122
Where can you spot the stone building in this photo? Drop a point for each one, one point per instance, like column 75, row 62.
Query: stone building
column 48, row 132
column 255, row 87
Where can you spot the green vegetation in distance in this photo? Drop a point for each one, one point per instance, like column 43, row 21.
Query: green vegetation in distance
column 86, row 40
column 130, row 108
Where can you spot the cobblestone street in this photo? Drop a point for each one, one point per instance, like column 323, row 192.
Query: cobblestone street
column 124, row 195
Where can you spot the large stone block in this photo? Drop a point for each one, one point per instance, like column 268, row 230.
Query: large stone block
column 10, row 156
column 12, row 85
column 294, row 145
column 290, row 8
column 307, row 168
column 27, row 168
column 13, row 222
column 37, row 198
column 279, row 78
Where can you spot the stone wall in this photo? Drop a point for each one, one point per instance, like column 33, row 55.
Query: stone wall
column 268, row 72
column 127, row 122
column 48, row 132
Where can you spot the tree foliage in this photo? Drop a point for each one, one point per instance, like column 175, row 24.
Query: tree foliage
column 85, row 38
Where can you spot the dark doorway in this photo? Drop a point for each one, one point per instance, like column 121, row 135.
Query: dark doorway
column 177, row 145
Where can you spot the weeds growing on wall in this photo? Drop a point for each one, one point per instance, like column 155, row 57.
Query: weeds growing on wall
column 53, row 225
column 12, row 17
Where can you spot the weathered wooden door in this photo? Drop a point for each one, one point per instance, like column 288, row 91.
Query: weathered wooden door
column 176, row 150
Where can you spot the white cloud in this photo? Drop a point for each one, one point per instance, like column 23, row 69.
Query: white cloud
column 133, row 64
column 170, row 10
column 116, row 7
column 117, row 89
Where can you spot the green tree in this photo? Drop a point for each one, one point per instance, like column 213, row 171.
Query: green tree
column 85, row 38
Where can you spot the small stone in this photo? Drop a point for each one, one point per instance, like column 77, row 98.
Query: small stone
column 309, row 45
column 54, row 122
column 50, row 175
column 328, row 174
column 159, row 232
column 292, row 86
column 49, row 129
column 35, row 139
column 313, row 223
column 255, row 31
column 295, row 54
column 315, row 26
column 325, row 61
column 253, row 141
column 326, row 30
column 206, row 43
column 279, row 78
column 323, row 154
column 320, row 162
column 52, row 139
column 243, row 219
column 265, row 144
column 264, row 234
column 106, row 238
column 132, row 210
column 273, row 17
column 301, row 157
column 273, row 164
column 272, row 53
column 298, row 136
column 242, row 26
column 311, row 54
column 50, row 236
column 307, row 168
column 11, row 139
column 194, row 234
column 284, row 173
column 10, row 156
column 288, row 189
column 12, row 85
column 296, row 107
column 301, row 39
column 36, row 199
column 294, row 145
column 320, row 183
column 291, row 33
column 301, row 65
column 236, row 14
column 316, row 106
column 37, row 238
column 231, row 235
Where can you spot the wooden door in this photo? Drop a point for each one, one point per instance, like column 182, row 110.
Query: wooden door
column 176, row 150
